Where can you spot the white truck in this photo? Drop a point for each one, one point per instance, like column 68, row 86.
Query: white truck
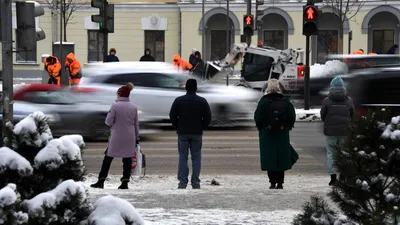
column 260, row 64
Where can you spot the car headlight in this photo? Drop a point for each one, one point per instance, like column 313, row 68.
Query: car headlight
column 52, row 117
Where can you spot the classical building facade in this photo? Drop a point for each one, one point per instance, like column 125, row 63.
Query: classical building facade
column 171, row 27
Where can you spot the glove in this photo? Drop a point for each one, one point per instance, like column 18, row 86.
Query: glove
column 137, row 142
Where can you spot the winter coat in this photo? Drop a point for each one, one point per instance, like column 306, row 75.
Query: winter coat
column 181, row 64
column 336, row 112
column 190, row 114
column 124, row 123
column 147, row 58
column 192, row 60
column 198, row 68
column 276, row 152
column 112, row 58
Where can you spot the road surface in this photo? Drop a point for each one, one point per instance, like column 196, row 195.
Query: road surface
column 224, row 152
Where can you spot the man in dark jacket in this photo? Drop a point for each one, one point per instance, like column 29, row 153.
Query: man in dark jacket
column 190, row 114
column 393, row 50
column 112, row 57
column 198, row 67
column 147, row 56
column 336, row 112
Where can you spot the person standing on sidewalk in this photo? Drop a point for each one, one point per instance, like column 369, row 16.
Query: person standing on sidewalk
column 336, row 112
column 124, row 123
column 275, row 117
column 190, row 114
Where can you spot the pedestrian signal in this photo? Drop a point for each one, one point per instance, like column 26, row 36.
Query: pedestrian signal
column 310, row 17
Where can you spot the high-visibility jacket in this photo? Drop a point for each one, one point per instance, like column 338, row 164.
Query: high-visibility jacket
column 74, row 69
column 181, row 64
column 54, row 70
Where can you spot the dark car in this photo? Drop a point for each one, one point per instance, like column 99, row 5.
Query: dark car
column 372, row 88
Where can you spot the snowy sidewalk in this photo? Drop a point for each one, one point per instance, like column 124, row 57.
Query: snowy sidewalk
column 238, row 200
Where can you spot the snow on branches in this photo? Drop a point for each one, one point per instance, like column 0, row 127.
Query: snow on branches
column 111, row 210
column 368, row 191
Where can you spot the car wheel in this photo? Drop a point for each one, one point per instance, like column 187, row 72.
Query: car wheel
column 99, row 131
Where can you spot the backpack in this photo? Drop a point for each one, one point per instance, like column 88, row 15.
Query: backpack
column 277, row 115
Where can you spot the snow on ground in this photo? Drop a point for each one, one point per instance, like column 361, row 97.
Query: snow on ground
column 330, row 68
column 308, row 115
column 240, row 199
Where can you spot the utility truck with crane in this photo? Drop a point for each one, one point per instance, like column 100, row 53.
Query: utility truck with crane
column 259, row 64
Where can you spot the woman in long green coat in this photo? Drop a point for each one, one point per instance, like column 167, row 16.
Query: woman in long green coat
column 276, row 153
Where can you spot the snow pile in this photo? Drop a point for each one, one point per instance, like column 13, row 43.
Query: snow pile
column 330, row 68
column 29, row 126
column 57, row 152
column 308, row 115
column 11, row 160
column 110, row 210
column 37, row 206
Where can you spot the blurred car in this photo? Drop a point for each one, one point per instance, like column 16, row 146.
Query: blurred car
column 158, row 84
column 371, row 89
column 73, row 111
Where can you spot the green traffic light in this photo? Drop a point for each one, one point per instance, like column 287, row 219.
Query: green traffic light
column 101, row 25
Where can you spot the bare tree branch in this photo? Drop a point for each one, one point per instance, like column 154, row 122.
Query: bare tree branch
column 345, row 9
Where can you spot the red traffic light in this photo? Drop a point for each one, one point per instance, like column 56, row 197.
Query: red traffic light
column 310, row 13
column 248, row 20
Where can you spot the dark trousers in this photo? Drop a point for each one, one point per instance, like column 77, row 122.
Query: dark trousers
column 106, row 167
column 276, row 177
column 192, row 143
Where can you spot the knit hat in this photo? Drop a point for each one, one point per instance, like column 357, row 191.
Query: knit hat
column 125, row 90
column 273, row 86
column 337, row 82
column 191, row 85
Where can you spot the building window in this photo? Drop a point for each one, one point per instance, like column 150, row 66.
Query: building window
column 95, row 46
column 274, row 38
column 154, row 40
column 25, row 56
column 382, row 40
column 327, row 43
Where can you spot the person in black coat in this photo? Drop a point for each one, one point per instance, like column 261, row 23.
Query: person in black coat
column 147, row 56
column 198, row 67
column 112, row 57
column 190, row 114
column 393, row 50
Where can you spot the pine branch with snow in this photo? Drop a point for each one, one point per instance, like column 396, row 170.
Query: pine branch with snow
column 9, row 202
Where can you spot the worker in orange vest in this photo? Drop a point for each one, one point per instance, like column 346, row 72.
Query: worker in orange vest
column 181, row 64
column 73, row 67
column 53, row 67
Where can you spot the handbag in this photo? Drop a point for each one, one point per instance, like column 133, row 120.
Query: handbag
column 138, row 163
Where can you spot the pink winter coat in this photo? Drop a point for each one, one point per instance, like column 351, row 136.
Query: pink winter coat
column 123, row 120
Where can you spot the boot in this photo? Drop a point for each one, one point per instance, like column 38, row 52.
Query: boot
column 279, row 186
column 99, row 184
column 273, row 186
column 333, row 179
column 124, row 185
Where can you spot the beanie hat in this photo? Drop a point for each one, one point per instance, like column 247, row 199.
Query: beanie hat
column 273, row 86
column 125, row 90
column 337, row 82
column 191, row 85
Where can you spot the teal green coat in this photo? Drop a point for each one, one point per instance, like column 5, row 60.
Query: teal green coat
column 276, row 152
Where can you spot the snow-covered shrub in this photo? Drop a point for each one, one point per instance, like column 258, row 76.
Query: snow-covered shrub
column 40, row 180
column 368, row 191
column 111, row 210
column 330, row 68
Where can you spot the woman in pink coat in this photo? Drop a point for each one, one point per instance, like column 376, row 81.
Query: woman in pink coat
column 123, row 120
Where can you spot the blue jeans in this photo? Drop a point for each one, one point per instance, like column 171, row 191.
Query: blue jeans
column 194, row 143
column 331, row 142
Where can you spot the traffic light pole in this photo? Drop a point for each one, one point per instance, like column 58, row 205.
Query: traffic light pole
column 248, row 37
column 105, row 33
column 307, row 76
column 7, row 61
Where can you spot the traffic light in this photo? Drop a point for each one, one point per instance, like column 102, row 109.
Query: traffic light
column 248, row 25
column 27, row 33
column 106, row 16
column 259, row 13
column 310, row 18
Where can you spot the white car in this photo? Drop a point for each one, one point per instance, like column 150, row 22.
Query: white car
column 158, row 84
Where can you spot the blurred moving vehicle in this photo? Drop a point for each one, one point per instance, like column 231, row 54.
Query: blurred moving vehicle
column 259, row 64
column 158, row 84
column 70, row 111
column 372, row 88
